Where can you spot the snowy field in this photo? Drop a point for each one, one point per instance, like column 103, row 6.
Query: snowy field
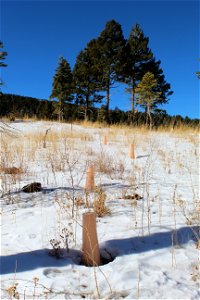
column 149, row 246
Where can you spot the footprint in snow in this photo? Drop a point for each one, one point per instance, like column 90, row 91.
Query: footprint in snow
column 52, row 273
column 32, row 236
column 118, row 295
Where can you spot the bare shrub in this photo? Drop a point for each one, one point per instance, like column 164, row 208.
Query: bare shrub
column 99, row 203
column 79, row 201
column 104, row 164
column 56, row 248
column 119, row 169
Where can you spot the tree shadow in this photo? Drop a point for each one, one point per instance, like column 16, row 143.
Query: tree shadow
column 43, row 191
column 152, row 242
column 26, row 261
column 142, row 156
column 114, row 185
column 70, row 189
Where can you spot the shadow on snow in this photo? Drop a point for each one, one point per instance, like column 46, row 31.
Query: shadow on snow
column 152, row 242
column 26, row 261
column 21, row 262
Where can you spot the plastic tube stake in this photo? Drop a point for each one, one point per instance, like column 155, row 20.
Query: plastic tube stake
column 89, row 184
column 105, row 140
column 90, row 247
column 131, row 151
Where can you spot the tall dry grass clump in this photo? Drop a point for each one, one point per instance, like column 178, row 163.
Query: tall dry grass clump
column 100, row 207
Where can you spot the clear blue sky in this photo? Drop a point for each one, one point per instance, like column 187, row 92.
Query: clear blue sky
column 36, row 33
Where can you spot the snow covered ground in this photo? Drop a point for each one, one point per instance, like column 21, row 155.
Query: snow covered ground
column 150, row 243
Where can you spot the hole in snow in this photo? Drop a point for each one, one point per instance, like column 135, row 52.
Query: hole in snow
column 106, row 257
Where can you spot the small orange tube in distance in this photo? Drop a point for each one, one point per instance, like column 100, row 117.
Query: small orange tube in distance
column 105, row 140
column 131, row 151
column 89, row 184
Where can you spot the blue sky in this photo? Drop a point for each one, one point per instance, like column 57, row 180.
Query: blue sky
column 36, row 33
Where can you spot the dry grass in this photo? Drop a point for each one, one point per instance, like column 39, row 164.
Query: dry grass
column 99, row 203
column 12, row 291
column 54, row 136
column 127, row 129
column 11, row 170
column 53, row 151
column 79, row 201
column 104, row 164
column 91, row 124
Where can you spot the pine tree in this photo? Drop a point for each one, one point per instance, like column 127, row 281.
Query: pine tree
column 3, row 55
column 148, row 96
column 138, row 54
column 163, row 87
column 87, row 76
column 111, row 47
column 62, row 87
column 140, row 60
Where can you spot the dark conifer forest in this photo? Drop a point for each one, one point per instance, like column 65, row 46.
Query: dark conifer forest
column 15, row 106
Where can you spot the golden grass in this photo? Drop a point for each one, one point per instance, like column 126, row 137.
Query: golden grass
column 104, row 164
column 11, row 170
column 140, row 129
column 99, row 203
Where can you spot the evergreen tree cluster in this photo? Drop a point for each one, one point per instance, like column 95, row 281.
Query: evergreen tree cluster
column 108, row 59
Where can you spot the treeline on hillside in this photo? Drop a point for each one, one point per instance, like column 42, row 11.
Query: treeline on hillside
column 15, row 106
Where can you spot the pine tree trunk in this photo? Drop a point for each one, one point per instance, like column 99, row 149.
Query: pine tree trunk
column 147, row 119
column 59, row 114
column 85, row 117
column 150, row 120
column 86, row 108
column 107, row 98
column 149, row 116
column 107, row 103
column 133, row 99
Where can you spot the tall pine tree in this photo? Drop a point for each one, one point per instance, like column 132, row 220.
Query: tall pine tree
column 87, row 77
column 62, row 87
column 138, row 54
column 140, row 60
column 110, row 55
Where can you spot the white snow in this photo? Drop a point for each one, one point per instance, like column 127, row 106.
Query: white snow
column 152, row 241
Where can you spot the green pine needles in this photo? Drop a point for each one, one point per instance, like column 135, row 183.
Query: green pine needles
column 62, row 87
column 147, row 95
